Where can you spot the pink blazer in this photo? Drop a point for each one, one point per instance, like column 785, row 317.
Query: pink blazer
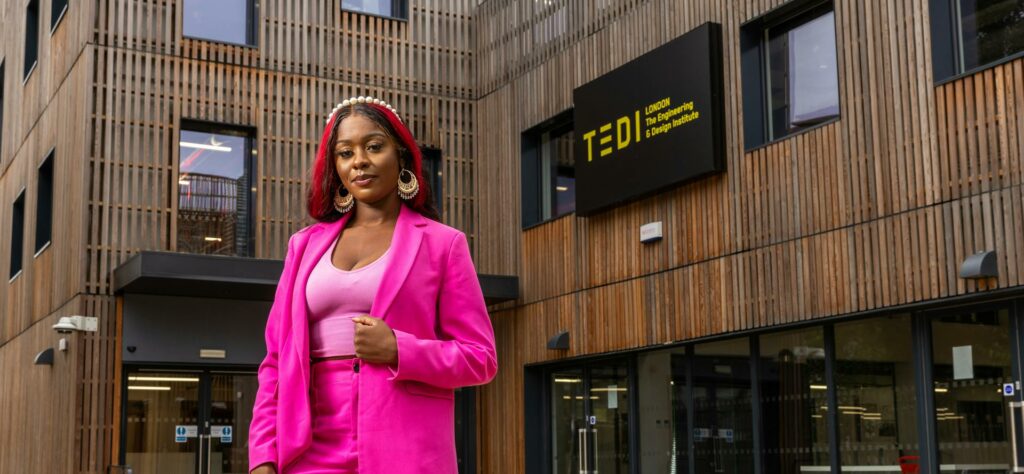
column 430, row 296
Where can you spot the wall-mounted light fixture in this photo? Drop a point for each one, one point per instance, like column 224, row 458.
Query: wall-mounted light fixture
column 69, row 324
column 980, row 265
column 559, row 341
column 45, row 357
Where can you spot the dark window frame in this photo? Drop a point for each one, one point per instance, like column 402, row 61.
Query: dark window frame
column 432, row 172
column 248, row 132
column 17, row 236
column 755, row 69
column 532, row 203
column 44, row 203
column 947, row 64
column 251, row 28
column 56, row 17
column 401, row 6
column 31, row 39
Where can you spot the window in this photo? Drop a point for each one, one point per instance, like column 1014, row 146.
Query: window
column 31, row 36
column 214, row 190
column 432, row 173
column 790, row 75
column 227, row 21
column 548, row 170
column 44, row 203
column 971, row 34
column 57, row 9
column 387, row 8
column 793, row 392
column 17, row 232
column 875, row 391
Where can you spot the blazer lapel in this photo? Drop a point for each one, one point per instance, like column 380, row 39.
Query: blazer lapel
column 405, row 244
column 320, row 240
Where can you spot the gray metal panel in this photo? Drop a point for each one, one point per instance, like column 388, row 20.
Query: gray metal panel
column 242, row 278
column 173, row 329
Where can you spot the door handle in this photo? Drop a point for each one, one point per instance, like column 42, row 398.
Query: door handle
column 209, row 452
column 200, row 446
column 582, row 452
column 1015, row 406
column 596, row 456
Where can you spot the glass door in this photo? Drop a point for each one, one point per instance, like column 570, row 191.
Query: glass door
column 976, row 384
column 187, row 421
column 590, row 418
column 722, row 412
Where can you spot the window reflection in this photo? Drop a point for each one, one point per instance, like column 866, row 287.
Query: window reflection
column 229, row 21
column 803, row 80
column 661, row 377
column 373, row 7
column 213, row 193
column 971, row 357
column 990, row 30
column 875, row 390
column 723, row 435
column 557, row 158
column 793, row 392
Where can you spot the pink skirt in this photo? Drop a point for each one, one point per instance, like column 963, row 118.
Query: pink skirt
column 334, row 403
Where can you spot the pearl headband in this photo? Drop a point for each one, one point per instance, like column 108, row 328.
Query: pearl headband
column 362, row 100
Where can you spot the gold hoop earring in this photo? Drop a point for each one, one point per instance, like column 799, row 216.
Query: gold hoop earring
column 344, row 203
column 408, row 190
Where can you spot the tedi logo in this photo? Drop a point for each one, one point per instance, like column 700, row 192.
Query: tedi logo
column 659, row 117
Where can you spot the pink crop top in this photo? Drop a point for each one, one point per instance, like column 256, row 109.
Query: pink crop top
column 335, row 296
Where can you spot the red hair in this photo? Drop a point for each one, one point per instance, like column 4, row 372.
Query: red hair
column 325, row 181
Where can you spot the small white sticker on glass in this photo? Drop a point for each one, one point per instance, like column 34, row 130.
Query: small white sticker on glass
column 963, row 363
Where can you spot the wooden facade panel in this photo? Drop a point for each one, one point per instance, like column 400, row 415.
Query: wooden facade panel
column 47, row 280
column 25, row 101
column 142, row 101
column 39, row 403
column 430, row 53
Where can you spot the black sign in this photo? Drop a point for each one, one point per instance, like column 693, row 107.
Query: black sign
column 652, row 123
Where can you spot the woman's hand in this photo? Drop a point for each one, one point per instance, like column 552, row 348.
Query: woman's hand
column 374, row 340
column 265, row 468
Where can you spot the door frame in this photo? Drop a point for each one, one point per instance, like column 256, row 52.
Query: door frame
column 923, row 349
column 537, row 391
column 203, row 371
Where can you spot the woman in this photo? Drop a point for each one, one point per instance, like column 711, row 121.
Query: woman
column 378, row 315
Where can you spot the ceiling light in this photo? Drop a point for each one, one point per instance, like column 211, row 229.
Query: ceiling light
column 204, row 146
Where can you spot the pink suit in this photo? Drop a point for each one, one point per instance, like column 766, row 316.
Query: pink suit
column 430, row 296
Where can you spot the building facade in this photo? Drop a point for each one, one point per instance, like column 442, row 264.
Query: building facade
column 804, row 310
column 842, row 287
column 154, row 160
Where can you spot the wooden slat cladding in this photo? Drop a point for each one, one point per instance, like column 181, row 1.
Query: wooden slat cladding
column 112, row 97
column 38, row 401
column 59, row 51
column 874, row 210
column 431, row 53
column 141, row 98
column 51, row 278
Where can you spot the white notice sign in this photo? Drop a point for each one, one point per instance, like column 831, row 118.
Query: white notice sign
column 613, row 397
column 183, row 432
column 963, row 363
column 221, row 431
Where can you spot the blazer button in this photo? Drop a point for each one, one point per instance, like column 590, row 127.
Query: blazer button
column 355, row 367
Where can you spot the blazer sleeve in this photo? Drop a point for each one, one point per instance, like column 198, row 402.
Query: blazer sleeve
column 263, row 427
column 464, row 353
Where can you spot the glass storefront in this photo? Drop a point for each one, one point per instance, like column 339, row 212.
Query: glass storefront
column 877, row 402
column 934, row 391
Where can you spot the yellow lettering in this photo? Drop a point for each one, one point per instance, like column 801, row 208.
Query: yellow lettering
column 606, row 139
column 636, row 117
column 622, row 138
column 590, row 146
